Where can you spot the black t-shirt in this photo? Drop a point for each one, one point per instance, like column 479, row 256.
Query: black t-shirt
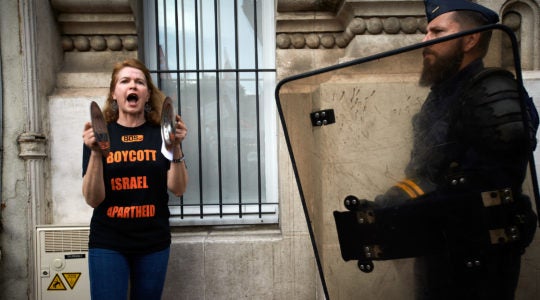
column 134, row 217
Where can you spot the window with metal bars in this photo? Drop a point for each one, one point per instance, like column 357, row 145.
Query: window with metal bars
column 215, row 59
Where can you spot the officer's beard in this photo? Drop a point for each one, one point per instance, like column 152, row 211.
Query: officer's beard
column 442, row 67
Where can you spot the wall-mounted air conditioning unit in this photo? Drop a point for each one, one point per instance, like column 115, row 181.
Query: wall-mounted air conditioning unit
column 62, row 263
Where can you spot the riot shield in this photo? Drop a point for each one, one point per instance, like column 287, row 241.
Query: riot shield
column 372, row 206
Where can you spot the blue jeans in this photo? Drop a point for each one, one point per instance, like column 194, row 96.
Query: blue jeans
column 111, row 272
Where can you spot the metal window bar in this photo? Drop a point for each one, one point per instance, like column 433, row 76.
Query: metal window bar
column 241, row 204
column 199, row 125
column 178, row 93
column 257, row 105
column 238, row 137
column 218, row 109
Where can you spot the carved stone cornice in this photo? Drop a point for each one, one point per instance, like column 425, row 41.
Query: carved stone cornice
column 324, row 29
column 308, row 5
column 84, row 43
column 357, row 26
column 96, row 25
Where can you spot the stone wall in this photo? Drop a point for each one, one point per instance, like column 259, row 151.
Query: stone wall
column 56, row 57
column 315, row 38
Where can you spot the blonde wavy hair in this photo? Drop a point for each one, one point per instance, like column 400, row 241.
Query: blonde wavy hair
column 156, row 96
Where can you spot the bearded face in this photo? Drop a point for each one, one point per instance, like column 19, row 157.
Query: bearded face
column 441, row 61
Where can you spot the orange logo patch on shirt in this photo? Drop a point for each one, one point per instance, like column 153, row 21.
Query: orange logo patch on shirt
column 132, row 138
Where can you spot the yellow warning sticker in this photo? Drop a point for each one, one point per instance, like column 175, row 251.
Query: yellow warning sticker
column 71, row 278
column 56, row 284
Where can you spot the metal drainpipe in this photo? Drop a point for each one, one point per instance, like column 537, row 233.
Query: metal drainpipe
column 32, row 142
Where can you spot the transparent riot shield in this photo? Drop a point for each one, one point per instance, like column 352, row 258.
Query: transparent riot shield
column 389, row 170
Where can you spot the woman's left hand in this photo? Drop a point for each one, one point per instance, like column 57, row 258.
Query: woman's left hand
column 180, row 132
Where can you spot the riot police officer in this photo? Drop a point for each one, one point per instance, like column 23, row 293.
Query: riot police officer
column 470, row 139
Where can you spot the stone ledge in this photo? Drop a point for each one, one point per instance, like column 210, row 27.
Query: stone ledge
column 97, row 6
column 83, row 80
column 90, row 69
column 80, row 93
column 228, row 236
column 97, row 24
column 308, row 5
column 531, row 75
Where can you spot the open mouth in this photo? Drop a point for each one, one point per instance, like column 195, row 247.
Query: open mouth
column 132, row 97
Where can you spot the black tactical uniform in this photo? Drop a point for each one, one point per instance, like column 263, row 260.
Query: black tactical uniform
column 460, row 210
column 470, row 142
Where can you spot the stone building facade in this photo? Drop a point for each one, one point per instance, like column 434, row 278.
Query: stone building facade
column 56, row 57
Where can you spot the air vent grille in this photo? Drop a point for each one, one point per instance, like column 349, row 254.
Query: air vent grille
column 66, row 240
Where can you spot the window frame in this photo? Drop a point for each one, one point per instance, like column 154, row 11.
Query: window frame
column 266, row 212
